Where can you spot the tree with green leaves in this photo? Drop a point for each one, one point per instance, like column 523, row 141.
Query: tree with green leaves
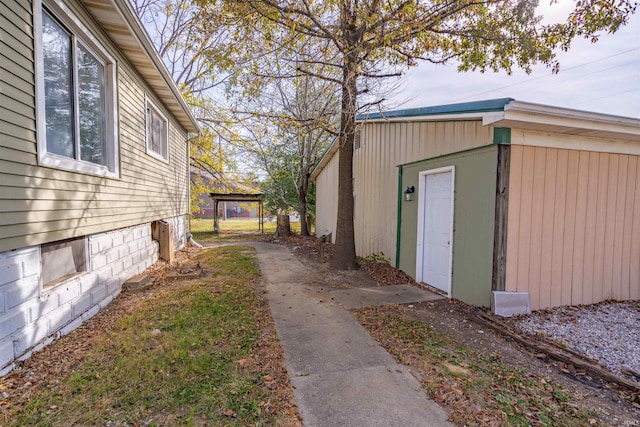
column 179, row 35
column 366, row 40
column 284, row 131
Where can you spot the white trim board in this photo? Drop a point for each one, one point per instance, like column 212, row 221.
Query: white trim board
column 420, row 233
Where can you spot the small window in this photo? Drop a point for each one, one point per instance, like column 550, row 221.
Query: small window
column 76, row 96
column 356, row 139
column 157, row 133
column 62, row 260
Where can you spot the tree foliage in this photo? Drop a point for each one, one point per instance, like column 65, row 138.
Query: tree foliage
column 182, row 41
column 359, row 41
column 285, row 129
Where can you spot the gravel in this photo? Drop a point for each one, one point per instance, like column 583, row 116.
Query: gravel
column 608, row 332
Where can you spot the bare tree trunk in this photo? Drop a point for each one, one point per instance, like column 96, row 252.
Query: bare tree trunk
column 302, row 197
column 344, row 257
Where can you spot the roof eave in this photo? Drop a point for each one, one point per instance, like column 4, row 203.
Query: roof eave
column 543, row 118
column 123, row 26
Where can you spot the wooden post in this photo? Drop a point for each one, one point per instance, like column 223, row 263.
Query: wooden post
column 216, row 218
column 501, row 216
column 167, row 250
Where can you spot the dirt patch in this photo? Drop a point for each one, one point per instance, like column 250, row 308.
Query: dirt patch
column 316, row 255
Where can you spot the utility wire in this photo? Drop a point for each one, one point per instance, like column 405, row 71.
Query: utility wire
column 607, row 96
column 546, row 75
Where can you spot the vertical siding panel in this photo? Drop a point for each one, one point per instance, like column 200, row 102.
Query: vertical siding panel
column 577, row 284
column 438, row 143
column 629, row 221
column 457, row 135
column 573, row 159
column 612, row 198
column 470, row 135
column 367, row 198
column 537, row 211
column 416, row 142
column 634, row 262
column 513, row 220
column 620, row 209
column 406, row 145
column 524, row 243
column 372, row 197
column 357, row 184
column 424, row 138
column 590, row 228
column 601, row 226
column 549, row 207
column 450, row 136
column 559, row 215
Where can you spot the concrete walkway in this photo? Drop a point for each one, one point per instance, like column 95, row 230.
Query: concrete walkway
column 341, row 376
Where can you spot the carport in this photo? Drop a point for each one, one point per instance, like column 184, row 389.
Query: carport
column 236, row 197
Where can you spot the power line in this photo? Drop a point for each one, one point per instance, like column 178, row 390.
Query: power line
column 607, row 96
column 546, row 75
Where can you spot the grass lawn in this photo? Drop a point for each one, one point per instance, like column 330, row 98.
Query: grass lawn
column 187, row 353
column 233, row 230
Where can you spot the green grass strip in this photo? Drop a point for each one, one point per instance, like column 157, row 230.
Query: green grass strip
column 173, row 360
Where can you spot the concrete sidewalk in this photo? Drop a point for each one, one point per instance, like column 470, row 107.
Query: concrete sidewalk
column 341, row 376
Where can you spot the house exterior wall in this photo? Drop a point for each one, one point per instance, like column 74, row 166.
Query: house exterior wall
column 40, row 204
column 327, row 198
column 473, row 222
column 384, row 146
column 30, row 319
column 573, row 223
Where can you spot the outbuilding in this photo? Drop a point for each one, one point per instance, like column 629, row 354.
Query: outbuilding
column 499, row 203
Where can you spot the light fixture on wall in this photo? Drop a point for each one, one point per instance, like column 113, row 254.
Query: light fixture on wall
column 408, row 193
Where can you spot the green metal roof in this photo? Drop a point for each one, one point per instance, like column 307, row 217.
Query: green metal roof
column 464, row 107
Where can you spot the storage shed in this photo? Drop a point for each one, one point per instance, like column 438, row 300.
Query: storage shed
column 513, row 205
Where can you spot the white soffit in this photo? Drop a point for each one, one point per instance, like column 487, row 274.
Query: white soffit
column 123, row 26
column 543, row 118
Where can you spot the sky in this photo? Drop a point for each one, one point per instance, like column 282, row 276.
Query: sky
column 603, row 77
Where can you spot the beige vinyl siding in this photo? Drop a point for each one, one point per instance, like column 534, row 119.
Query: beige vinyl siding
column 327, row 198
column 39, row 204
column 574, row 226
column 384, row 146
column 17, row 102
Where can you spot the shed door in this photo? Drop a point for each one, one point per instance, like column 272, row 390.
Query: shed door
column 435, row 235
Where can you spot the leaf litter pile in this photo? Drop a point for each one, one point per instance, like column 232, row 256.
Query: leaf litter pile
column 478, row 389
column 201, row 351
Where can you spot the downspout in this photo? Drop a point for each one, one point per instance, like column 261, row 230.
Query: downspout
column 190, row 240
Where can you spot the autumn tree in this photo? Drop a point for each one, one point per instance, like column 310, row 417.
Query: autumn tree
column 285, row 129
column 179, row 36
column 372, row 39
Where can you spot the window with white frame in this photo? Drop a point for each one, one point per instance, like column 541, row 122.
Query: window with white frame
column 76, row 96
column 157, row 132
